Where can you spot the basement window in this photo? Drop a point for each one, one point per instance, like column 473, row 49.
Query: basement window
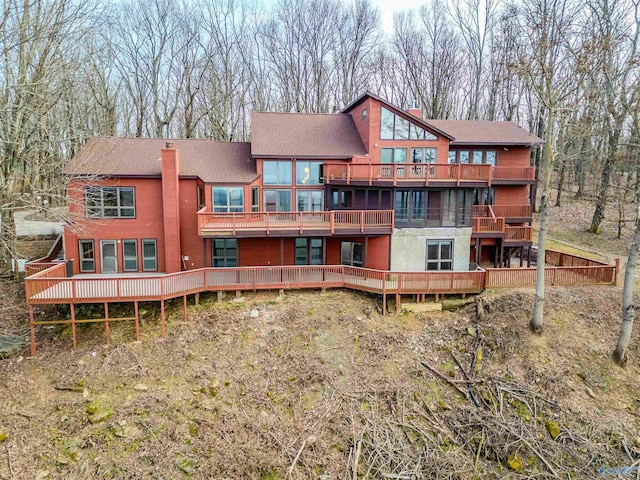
column 439, row 254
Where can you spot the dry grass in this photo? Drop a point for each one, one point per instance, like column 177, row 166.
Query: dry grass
column 313, row 388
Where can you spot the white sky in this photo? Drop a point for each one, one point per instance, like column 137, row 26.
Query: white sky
column 387, row 7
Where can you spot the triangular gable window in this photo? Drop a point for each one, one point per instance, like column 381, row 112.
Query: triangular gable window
column 394, row 127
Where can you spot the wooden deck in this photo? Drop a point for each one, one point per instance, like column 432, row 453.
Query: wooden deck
column 424, row 174
column 260, row 224
column 50, row 286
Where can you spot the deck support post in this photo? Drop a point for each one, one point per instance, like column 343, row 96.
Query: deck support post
column 220, row 295
column 398, row 303
column 106, row 321
column 197, row 298
column 529, row 257
column 238, row 293
column 73, row 324
column 137, row 316
column 384, row 303
column 162, row 318
column 184, row 307
column 32, row 329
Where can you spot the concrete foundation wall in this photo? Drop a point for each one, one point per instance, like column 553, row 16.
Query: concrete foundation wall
column 409, row 247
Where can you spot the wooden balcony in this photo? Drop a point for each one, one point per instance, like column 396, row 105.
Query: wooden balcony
column 322, row 223
column 455, row 174
column 511, row 213
column 496, row 228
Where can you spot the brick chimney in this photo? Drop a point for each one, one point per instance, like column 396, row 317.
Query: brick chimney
column 414, row 110
column 171, row 207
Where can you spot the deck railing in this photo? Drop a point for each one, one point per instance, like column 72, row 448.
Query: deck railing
column 45, row 262
column 507, row 211
column 517, row 234
column 411, row 172
column 335, row 221
column 488, row 225
column 52, row 286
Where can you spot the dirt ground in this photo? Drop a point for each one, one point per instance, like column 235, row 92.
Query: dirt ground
column 322, row 386
column 314, row 378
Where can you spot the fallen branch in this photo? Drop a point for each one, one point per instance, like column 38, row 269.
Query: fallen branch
column 295, row 460
column 445, row 379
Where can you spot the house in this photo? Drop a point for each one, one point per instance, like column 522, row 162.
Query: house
column 372, row 186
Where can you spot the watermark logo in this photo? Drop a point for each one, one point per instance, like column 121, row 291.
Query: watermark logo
column 607, row 471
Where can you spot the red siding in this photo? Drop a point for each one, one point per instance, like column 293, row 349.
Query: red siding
column 442, row 144
column 363, row 124
column 148, row 222
column 258, row 251
column 378, row 253
column 190, row 243
column 516, row 195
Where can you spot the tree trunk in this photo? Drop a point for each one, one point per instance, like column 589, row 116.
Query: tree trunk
column 7, row 243
column 538, row 307
column 598, row 214
column 620, row 354
column 563, row 168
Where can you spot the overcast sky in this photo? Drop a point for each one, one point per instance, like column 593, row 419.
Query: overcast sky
column 387, row 7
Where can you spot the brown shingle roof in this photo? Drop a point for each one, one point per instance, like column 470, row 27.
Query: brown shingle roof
column 224, row 162
column 482, row 132
column 304, row 135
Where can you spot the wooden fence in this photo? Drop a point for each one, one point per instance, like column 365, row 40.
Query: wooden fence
column 568, row 270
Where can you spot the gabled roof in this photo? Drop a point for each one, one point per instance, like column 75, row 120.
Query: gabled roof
column 304, row 135
column 417, row 120
column 484, row 132
column 213, row 162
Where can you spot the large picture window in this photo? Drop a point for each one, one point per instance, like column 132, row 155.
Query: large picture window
column 110, row 202
column 395, row 127
column 439, row 254
column 87, row 256
column 308, row 173
column 277, row 200
column 393, row 155
column 309, row 200
column 228, row 199
column 424, row 155
column 225, row 252
column 308, row 251
column 276, row 173
column 149, row 255
column 352, row 254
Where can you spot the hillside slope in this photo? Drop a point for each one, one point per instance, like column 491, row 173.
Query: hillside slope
column 323, row 386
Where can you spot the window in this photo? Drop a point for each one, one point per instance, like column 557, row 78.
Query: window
column 110, row 202
column 410, row 207
column 439, row 254
column 255, row 199
column 394, row 126
column 87, row 256
column 364, row 114
column 130, row 255
column 477, row 156
column 490, row 157
column 341, row 199
column 276, row 173
column 394, row 155
column 149, row 255
column 309, row 200
column 424, row 155
column 225, row 252
column 308, row 173
column 352, row 253
column 201, row 199
column 484, row 196
column 452, row 157
column 308, row 251
column 228, row 199
column 277, row 200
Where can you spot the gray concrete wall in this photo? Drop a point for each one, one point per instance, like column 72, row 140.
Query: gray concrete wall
column 409, row 247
